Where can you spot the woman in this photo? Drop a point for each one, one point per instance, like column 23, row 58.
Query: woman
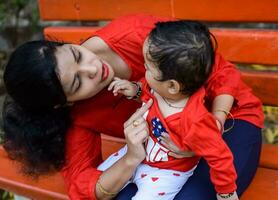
column 76, row 73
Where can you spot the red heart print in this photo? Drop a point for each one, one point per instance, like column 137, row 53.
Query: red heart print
column 154, row 179
column 116, row 154
column 176, row 174
column 143, row 175
column 161, row 193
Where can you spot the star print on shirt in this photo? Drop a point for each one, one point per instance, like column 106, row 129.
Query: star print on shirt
column 157, row 127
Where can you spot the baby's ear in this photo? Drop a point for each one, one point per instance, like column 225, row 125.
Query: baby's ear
column 174, row 86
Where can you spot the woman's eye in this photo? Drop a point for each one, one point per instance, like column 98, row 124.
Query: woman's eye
column 79, row 57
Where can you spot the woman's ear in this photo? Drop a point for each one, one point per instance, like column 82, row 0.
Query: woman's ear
column 174, row 86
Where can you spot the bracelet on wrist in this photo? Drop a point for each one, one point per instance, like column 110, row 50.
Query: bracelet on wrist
column 228, row 114
column 221, row 124
column 104, row 191
column 138, row 91
column 225, row 196
column 228, row 196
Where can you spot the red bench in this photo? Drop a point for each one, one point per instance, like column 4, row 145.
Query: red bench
column 245, row 46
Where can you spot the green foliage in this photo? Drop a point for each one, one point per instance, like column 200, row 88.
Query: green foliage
column 4, row 195
column 10, row 11
column 270, row 132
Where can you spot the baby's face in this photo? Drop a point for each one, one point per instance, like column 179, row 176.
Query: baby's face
column 153, row 75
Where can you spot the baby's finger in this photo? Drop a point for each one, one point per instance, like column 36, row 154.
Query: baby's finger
column 119, row 89
column 112, row 84
column 164, row 143
column 165, row 136
column 115, row 81
column 175, row 155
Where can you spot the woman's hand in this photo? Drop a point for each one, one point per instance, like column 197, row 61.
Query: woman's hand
column 136, row 131
column 125, row 87
column 175, row 151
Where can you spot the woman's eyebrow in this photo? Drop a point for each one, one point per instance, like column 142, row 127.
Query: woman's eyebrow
column 73, row 54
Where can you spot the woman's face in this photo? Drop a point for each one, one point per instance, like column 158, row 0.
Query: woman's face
column 81, row 72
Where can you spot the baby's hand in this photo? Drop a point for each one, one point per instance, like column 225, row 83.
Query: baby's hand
column 229, row 196
column 174, row 149
column 125, row 87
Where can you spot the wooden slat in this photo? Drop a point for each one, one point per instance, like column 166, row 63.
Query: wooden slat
column 269, row 156
column 248, row 46
column 49, row 187
column 264, row 186
column 264, row 85
column 241, row 46
column 207, row 10
column 75, row 35
column 46, row 188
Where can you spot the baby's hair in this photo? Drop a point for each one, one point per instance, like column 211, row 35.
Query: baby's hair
column 182, row 50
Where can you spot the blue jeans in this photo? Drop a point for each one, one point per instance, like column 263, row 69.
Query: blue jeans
column 245, row 141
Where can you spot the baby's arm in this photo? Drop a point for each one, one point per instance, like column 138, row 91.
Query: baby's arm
column 228, row 196
column 204, row 139
column 125, row 87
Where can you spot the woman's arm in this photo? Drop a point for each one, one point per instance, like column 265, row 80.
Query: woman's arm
column 114, row 178
column 221, row 88
column 222, row 105
column 83, row 155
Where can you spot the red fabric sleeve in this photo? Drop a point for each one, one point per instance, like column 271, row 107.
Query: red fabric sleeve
column 83, row 155
column 225, row 79
column 206, row 141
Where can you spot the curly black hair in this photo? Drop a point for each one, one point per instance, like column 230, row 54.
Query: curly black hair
column 35, row 139
column 30, row 76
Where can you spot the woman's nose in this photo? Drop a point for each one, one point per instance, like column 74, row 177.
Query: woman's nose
column 90, row 71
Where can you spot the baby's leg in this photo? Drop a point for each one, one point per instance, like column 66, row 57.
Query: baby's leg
column 154, row 183
column 112, row 159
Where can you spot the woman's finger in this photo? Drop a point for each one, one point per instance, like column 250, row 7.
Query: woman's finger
column 139, row 113
column 134, row 129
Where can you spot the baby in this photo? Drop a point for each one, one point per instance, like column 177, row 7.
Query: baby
column 179, row 58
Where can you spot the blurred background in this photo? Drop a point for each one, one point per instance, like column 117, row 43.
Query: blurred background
column 20, row 22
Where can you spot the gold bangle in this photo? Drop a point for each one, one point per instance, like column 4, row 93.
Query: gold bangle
column 105, row 192
column 228, row 114
column 224, row 111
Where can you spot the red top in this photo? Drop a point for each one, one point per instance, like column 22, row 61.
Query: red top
column 193, row 129
column 105, row 113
